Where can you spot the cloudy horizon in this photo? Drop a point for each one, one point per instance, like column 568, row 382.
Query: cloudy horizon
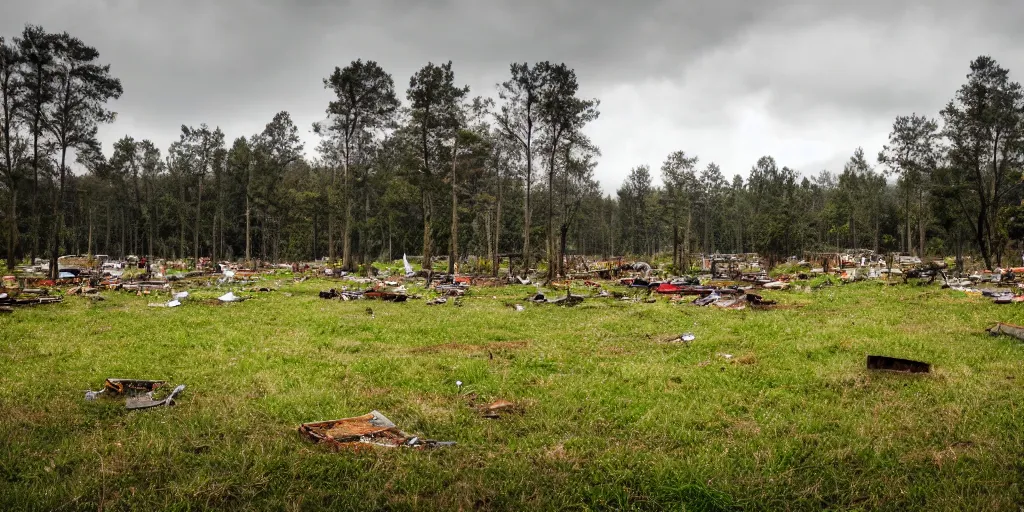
column 806, row 83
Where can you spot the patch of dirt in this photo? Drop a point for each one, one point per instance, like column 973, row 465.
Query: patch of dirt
column 746, row 359
column 746, row 427
column 557, row 452
column 612, row 350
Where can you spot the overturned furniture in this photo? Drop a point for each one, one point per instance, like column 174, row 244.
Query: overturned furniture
column 369, row 429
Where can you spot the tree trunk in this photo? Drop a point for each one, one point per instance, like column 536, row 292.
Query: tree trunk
column 487, row 236
column 12, row 241
column 181, row 220
column 909, row 245
column 316, row 235
column 346, row 251
column 124, row 233
column 35, row 221
column 686, row 242
column 199, row 218
column 551, row 212
column 675, row 245
column 526, row 211
column 58, row 213
column 453, row 245
column 213, row 238
column 920, row 225
column 497, row 228
column 563, row 235
column 982, row 238
column 248, row 230
column 878, row 230
column 331, row 195
column 89, row 243
column 428, row 249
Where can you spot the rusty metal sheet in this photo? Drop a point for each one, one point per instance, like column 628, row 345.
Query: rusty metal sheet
column 369, row 429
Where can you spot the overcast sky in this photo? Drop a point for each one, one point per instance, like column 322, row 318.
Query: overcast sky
column 804, row 81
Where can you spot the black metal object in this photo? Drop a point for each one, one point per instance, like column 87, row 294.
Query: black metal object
column 897, row 365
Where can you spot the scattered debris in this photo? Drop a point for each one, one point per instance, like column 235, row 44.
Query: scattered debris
column 9, row 301
column 1015, row 331
column 567, row 300
column 451, row 290
column 495, row 409
column 759, row 301
column 230, row 297
column 409, row 272
column 897, row 365
column 438, row 301
column 684, row 338
column 138, row 394
column 519, row 307
column 369, row 429
column 147, row 402
column 726, row 356
column 386, row 296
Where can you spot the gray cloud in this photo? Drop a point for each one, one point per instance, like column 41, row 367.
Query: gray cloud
column 805, row 80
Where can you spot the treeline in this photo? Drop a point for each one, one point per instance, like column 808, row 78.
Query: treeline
column 438, row 171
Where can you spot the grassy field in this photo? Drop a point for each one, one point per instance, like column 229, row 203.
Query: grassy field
column 612, row 417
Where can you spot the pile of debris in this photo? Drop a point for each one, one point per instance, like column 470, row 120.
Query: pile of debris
column 373, row 429
column 138, row 394
column 735, row 301
column 564, row 300
column 7, row 302
column 371, row 294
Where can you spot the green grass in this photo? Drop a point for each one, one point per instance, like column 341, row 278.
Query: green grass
column 612, row 417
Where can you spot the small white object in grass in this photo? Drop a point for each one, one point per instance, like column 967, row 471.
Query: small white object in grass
column 688, row 337
column 458, row 384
